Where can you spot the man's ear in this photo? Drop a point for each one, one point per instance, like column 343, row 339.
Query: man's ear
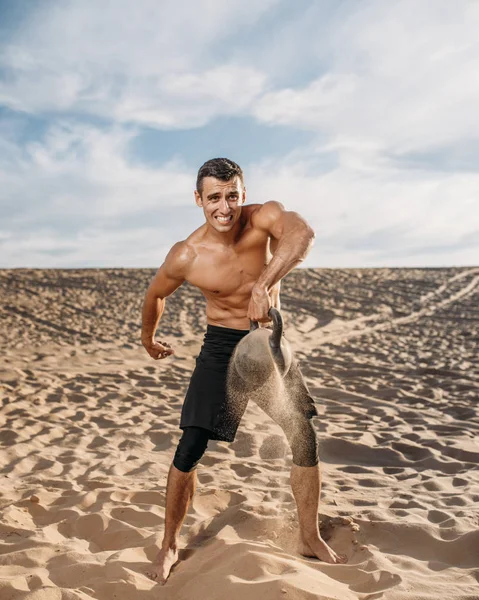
column 243, row 196
column 198, row 200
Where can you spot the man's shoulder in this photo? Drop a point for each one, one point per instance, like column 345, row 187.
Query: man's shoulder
column 262, row 215
column 187, row 249
column 180, row 257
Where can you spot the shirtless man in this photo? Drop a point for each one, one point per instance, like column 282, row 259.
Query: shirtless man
column 237, row 258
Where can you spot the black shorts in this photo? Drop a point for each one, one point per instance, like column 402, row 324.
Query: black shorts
column 205, row 402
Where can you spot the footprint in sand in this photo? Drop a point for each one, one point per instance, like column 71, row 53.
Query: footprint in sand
column 438, row 517
column 162, row 440
column 150, row 498
column 375, row 582
column 244, row 445
column 136, row 517
column 244, row 471
column 273, row 447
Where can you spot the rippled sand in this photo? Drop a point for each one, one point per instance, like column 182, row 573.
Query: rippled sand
column 89, row 424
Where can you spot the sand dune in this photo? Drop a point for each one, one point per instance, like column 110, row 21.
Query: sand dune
column 89, row 424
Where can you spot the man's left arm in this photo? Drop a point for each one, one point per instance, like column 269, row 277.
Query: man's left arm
column 294, row 238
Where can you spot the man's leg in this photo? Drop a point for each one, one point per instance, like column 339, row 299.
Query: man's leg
column 306, row 486
column 180, row 489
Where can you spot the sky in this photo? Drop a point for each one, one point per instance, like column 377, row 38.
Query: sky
column 361, row 115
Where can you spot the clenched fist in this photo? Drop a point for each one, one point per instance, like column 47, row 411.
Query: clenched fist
column 157, row 350
column 259, row 305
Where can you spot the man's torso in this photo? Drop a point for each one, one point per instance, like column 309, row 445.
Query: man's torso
column 226, row 274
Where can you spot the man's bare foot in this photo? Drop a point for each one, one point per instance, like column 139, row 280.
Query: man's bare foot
column 160, row 568
column 317, row 548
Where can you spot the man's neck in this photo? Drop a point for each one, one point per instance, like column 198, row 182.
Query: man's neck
column 227, row 238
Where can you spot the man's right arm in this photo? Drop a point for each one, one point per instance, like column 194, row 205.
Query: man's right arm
column 168, row 278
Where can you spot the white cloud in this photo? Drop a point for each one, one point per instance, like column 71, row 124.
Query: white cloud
column 402, row 75
column 76, row 199
column 192, row 99
column 91, row 165
column 401, row 82
column 391, row 217
column 92, row 247
column 148, row 62
column 316, row 106
column 387, row 82
column 75, row 196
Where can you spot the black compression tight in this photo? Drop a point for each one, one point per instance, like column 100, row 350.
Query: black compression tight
column 301, row 437
column 191, row 448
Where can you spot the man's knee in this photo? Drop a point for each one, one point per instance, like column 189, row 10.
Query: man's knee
column 304, row 445
column 191, row 448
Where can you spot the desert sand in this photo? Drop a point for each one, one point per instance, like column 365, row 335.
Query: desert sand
column 89, row 425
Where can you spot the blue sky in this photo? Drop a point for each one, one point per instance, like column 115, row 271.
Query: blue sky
column 359, row 114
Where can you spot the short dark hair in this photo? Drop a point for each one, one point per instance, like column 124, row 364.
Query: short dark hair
column 219, row 168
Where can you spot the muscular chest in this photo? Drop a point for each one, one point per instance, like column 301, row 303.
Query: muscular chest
column 225, row 271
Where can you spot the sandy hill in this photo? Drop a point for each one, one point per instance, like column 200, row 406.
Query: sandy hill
column 89, row 424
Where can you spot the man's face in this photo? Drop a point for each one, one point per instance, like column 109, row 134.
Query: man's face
column 221, row 202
